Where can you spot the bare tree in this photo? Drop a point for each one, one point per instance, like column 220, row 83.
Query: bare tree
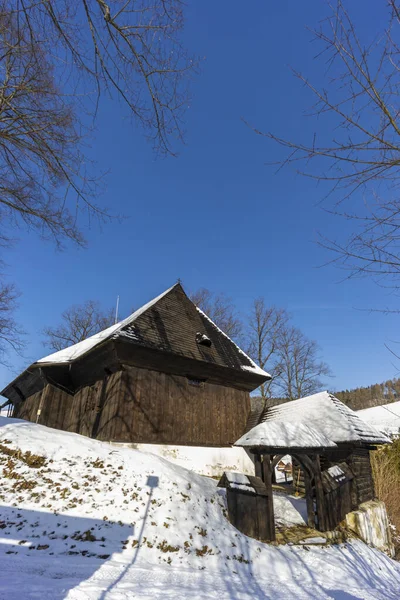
column 220, row 310
column 78, row 323
column 266, row 325
column 300, row 370
column 360, row 157
column 11, row 336
column 39, row 143
column 56, row 59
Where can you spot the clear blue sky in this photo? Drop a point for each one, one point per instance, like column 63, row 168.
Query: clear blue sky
column 217, row 216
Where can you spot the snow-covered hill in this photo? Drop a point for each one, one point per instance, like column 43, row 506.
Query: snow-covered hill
column 84, row 520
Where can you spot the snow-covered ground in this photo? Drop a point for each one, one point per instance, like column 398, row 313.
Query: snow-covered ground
column 84, row 520
column 386, row 418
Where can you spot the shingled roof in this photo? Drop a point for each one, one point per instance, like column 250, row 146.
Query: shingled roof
column 282, row 435
column 328, row 415
column 169, row 324
column 159, row 325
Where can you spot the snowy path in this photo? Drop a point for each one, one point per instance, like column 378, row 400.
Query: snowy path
column 353, row 572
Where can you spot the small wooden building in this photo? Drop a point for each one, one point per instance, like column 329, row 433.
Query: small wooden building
column 165, row 375
column 353, row 437
column 331, row 446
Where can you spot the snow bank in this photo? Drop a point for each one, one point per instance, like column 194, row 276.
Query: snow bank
column 205, row 461
column 89, row 521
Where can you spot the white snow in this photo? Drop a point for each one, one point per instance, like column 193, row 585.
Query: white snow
column 329, row 416
column 96, row 522
column 336, row 472
column 72, row 352
column 239, row 481
column 253, row 367
column 386, row 418
column 284, row 435
column 211, row 461
column 289, row 510
column 238, row 478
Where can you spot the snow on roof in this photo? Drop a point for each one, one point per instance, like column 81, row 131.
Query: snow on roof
column 244, row 483
column 386, row 418
column 284, row 435
column 253, row 367
column 239, row 481
column 328, row 416
column 72, row 352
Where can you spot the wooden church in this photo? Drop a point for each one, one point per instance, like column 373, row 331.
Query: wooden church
column 165, row 375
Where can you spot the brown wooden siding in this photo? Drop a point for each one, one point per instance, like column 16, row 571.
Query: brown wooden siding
column 139, row 405
column 363, row 483
column 28, row 409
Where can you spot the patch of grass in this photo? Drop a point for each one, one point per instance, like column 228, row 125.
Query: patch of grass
column 165, row 547
column 32, row 460
column 203, row 551
column 86, row 536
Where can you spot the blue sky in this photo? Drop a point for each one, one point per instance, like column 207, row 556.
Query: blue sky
column 218, row 216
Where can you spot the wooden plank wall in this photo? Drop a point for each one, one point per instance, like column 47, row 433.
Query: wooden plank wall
column 363, row 484
column 156, row 408
column 338, row 504
column 143, row 406
column 249, row 514
column 28, row 409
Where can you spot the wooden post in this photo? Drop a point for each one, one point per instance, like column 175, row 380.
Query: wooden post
column 309, row 500
column 319, row 493
column 267, row 472
column 273, row 470
column 258, row 466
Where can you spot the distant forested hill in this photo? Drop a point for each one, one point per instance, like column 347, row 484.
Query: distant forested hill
column 373, row 395
column 356, row 398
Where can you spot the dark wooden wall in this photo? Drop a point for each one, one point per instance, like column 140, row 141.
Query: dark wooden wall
column 143, row 406
column 363, row 483
column 249, row 514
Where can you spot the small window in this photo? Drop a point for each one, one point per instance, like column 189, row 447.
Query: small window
column 196, row 382
column 203, row 340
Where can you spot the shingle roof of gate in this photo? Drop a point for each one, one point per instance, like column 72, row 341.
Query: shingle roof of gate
column 284, row 435
column 328, row 415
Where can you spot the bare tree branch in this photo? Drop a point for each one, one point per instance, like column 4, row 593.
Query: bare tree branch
column 56, row 59
column 265, row 329
column 78, row 323
column 11, row 336
column 359, row 157
column 300, row 369
column 220, row 310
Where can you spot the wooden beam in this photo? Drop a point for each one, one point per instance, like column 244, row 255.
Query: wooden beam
column 258, row 466
column 309, row 500
column 267, row 473
column 319, row 493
